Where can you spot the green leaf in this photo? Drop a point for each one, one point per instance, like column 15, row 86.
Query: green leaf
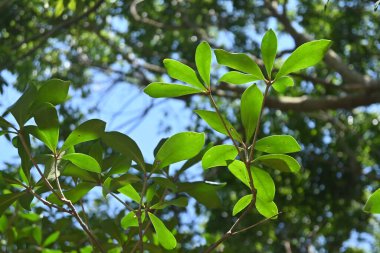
column 129, row 220
column 125, row 145
column 6, row 200
column 204, row 192
column 87, row 131
column 266, row 209
column 180, row 202
column 130, row 192
column 264, row 184
column 239, row 61
column 26, row 200
column 280, row 162
column 74, row 195
column 168, row 90
column 241, row 204
column 21, row 110
column 74, row 171
column 26, row 163
column 278, row 144
column 83, row 161
column 37, row 235
column 121, row 165
column 269, row 50
column 59, row 8
column 282, row 83
column 250, row 107
column 182, row 72
column 235, row 77
column 214, row 121
column 46, row 118
column 304, row 56
column 52, row 238
column 238, row 169
column 218, row 156
column 53, row 91
column 203, row 61
column 5, row 124
column 179, row 147
column 373, row 203
column 165, row 237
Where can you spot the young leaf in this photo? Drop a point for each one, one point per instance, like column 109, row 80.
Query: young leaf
column 180, row 202
column 52, row 238
column 278, row 144
column 269, row 50
column 280, row 162
column 129, row 220
column 266, row 208
column 165, row 237
column 214, row 121
column 46, row 118
column 264, row 184
column 235, row 77
column 87, row 131
column 304, row 56
column 130, row 192
column 203, row 61
column 83, row 161
column 179, row 147
column 373, row 203
column 125, row 145
column 238, row 169
column 282, row 83
column 53, row 91
column 169, row 90
column 218, row 155
column 239, row 61
column 6, row 200
column 182, row 72
column 22, row 108
column 241, row 204
column 250, row 107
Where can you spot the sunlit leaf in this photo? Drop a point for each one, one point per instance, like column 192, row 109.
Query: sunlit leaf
column 169, row 90
column 269, row 50
column 83, row 161
column 266, row 208
column 264, row 184
column 182, row 72
column 53, row 91
column 165, row 237
column 129, row 220
column 282, row 83
column 235, row 77
column 203, row 61
column 46, row 118
column 278, row 144
column 250, row 107
column 280, row 162
column 218, row 155
column 52, row 238
column 373, row 203
column 241, row 204
column 130, row 192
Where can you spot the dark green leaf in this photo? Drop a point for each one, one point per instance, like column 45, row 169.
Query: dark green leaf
column 26, row 200
column 250, row 107
column 53, row 91
column 83, row 161
column 74, row 195
column 180, row 202
column 304, row 56
column 121, row 165
column 282, row 83
column 264, row 184
column 241, row 204
column 21, row 110
column 266, row 208
column 269, row 50
column 278, row 144
column 218, row 155
column 182, row 72
column 46, row 118
column 239, row 61
column 203, row 61
column 6, row 200
column 165, row 237
column 280, row 162
column 5, row 124
column 204, row 192
column 125, row 145
column 72, row 170
column 235, row 77
column 169, row 90
column 179, row 147
column 26, row 163
column 373, row 203
column 214, row 121
column 87, row 131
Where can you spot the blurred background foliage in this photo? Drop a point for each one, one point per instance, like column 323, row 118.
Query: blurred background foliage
column 333, row 109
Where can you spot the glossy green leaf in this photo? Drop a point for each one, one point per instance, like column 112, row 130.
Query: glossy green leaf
column 203, row 61
column 214, row 121
column 53, row 91
column 87, row 131
column 239, row 61
column 129, row 220
column 179, row 147
column 182, row 72
column 165, row 237
column 204, row 192
column 130, row 192
column 6, row 200
column 264, row 184
column 241, row 204
column 74, row 195
column 235, row 77
column 373, row 203
column 250, row 107
column 74, row 171
column 46, row 118
column 169, row 90
column 180, row 202
column 21, row 110
column 83, row 161
column 282, row 83
column 280, row 162
column 278, row 144
column 218, row 155
column 269, row 50
column 266, row 208
column 125, row 145
column 304, row 56
column 52, row 238
column 238, row 169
